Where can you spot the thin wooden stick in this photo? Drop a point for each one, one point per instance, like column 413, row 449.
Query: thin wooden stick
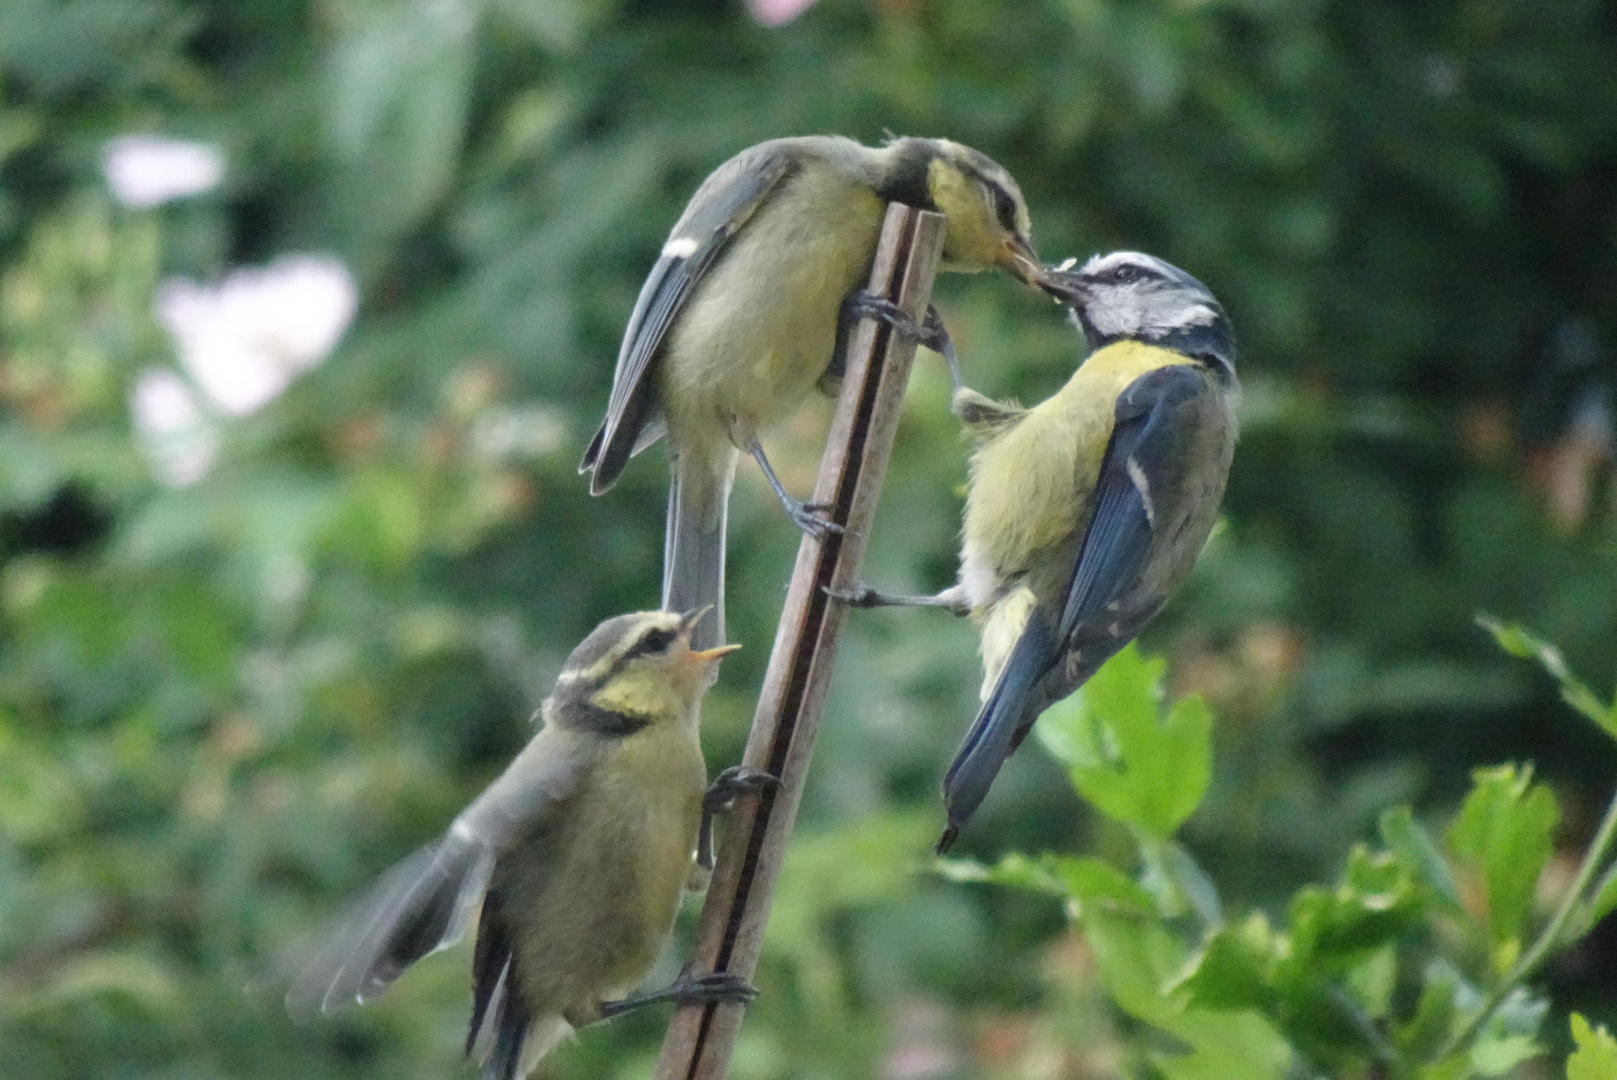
column 701, row 1038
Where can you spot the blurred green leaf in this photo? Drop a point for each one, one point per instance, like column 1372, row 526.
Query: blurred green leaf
column 1234, row 966
column 1437, row 1014
column 1374, row 902
column 1519, row 642
column 1415, row 848
column 1596, row 1055
column 1134, row 764
column 1504, row 835
column 1510, row 1035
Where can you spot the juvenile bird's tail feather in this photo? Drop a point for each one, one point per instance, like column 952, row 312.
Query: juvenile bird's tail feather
column 519, row 1045
column 693, row 551
column 418, row 907
column 999, row 727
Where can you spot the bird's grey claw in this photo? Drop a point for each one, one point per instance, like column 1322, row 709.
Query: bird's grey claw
column 935, row 336
column 807, row 517
column 861, row 595
column 930, row 331
column 734, row 782
column 720, row 986
column 884, row 310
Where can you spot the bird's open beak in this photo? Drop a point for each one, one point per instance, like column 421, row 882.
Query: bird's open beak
column 1064, row 284
column 706, row 656
column 1018, row 258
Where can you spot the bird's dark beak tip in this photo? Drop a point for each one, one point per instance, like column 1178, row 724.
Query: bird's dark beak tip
column 946, row 841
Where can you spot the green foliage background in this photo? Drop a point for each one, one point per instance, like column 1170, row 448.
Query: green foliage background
column 226, row 707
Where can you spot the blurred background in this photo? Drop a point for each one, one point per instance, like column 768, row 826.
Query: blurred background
column 307, row 310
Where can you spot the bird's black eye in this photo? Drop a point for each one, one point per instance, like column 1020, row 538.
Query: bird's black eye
column 1124, row 274
column 656, row 641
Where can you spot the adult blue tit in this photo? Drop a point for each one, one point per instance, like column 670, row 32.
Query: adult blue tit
column 1086, row 512
column 577, row 856
column 746, row 308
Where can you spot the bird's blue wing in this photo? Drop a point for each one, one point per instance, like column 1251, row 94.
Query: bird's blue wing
column 1146, row 449
column 719, row 209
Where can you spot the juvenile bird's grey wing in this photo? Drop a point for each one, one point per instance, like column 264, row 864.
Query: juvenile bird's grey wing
column 424, row 903
column 720, row 208
column 1105, row 606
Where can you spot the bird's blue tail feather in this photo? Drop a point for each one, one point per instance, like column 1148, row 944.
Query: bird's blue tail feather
column 996, row 730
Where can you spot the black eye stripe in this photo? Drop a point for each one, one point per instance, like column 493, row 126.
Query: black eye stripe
column 655, row 641
column 1127, row 272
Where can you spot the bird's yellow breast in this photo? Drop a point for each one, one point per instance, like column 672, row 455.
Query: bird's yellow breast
column 1030, row 499
column 1031, row 484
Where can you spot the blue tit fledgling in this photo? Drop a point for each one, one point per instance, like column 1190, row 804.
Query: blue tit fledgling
column 1086, row 512
column 577, row 856
column 749, row 304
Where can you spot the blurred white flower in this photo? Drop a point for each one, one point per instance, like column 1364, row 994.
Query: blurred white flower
column 149, row 170
column 517, row 434
column 778, row 12
column 245, row 339
column 177, row 437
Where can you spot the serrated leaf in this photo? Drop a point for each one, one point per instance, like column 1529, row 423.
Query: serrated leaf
column 1015, row 871
column 1504, row 834
column 1136, row 958
column 1415, row 848
column 1123, row 755
column 1596, row 1055
column 1518, row 641
column 1437, row 1014
column 1374, row 902
column 1079, row 880
column 1094, row 882
column 1232, row 969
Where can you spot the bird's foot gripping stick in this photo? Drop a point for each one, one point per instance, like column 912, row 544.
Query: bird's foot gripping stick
column 721, row 796
column 930, row 331
column 807, row 516
column 688, row 989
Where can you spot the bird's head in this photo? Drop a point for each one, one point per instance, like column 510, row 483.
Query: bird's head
column 638, row 668
column 1128, row 295
column 988, row 218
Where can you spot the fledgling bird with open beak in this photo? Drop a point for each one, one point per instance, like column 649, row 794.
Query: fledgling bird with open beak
column 578, row 856
column 747, row 309
column 1086, row 512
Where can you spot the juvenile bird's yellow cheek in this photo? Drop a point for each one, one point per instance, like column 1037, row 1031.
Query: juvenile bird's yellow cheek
column 973, row 239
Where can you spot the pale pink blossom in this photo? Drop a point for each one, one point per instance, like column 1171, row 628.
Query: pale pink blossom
column 244, row 339
column 778, row 12
column 179, row 439
column 149, row 170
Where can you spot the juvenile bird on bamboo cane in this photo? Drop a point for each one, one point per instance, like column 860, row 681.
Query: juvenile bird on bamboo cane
column 748, row 308
column 577, row 856
column 1086, row 512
